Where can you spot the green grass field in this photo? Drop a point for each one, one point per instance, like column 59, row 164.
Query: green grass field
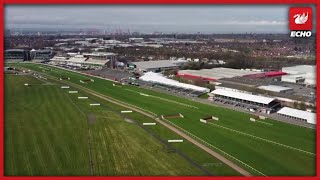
column 277, row 149
column 47, row 132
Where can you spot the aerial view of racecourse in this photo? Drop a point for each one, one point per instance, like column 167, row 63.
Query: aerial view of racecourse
column 159, row 90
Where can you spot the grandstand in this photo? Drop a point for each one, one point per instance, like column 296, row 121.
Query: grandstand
column 158, row 80
column 16, row 55
column 298, row 115
column 268, row 104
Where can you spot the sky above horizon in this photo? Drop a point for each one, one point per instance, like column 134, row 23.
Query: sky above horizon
column 147, row 18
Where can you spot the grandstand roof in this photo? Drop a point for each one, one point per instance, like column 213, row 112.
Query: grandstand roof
column 243, row 96
column 159, row 78
column 14, row 50
column 99, row 54
column 77, row 59
column 98, row 62
column 44, row 51
column 310, row 117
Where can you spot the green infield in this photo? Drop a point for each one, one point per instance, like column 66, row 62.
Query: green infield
column 266, row 148
column 49, row 131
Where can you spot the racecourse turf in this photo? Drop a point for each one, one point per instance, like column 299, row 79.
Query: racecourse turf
column 47, row 132
column 277, row 149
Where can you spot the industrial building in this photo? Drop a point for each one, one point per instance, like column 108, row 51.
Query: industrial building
column 301, row 74
column 298, row 115
column 214, row 74
column 155, row 66
column 266, row 104
column 278, row 89
column 16, row 55
column 220, row 73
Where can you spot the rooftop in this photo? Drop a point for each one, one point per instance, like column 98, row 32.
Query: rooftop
column 14, row 50
column 310, row 117
column 44, row 51
column 243, row 96
column 99, row 54
column 77, row 59
column 217, row 73
column 156, row 64
column 159, row 78
column 98, row 62
column 300, row 69
column 274, row 88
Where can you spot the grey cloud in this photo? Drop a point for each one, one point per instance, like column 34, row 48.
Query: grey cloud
column 147, row 18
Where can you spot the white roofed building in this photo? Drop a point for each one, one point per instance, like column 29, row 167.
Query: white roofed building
column 298, row 115
column 79, row 60
column 278, row 89
column 245, row 98
column 100, row 55
column 305, row 74
column 136, row 40
column 157, row 66
column 159, row 78
column 215, row 73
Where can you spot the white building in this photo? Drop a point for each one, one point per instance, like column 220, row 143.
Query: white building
column 278, row 89
column 215, row 73
column 298, row 115
column 266, row 103
column 294, row 78
column 156, row 66
column 79, row 60
column 100, row 55
column 136, row 40
column 159, row 78
column 231, row 89
column 305, row 74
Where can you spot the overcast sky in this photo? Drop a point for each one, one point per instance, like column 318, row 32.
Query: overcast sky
column 143, row 18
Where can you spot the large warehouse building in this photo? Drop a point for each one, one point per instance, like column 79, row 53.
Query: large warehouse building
column 302, row 74
column 298, row 115
column 220, row 73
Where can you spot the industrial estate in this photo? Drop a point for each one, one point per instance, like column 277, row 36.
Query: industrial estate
column 135, row 104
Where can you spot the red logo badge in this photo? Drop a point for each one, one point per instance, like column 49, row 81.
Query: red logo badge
column 300, row 18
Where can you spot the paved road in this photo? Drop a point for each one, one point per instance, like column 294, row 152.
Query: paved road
column 152, row 115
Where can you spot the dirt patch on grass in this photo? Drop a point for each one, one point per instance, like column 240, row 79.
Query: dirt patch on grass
column 129, row 120
column 48, row 84
column 91, row 118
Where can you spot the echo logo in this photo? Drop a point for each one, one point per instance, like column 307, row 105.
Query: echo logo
column 300, row 34
column 300, row 21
